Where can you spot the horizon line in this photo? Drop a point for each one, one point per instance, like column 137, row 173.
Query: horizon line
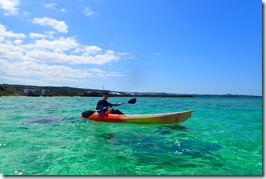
column 228, row 94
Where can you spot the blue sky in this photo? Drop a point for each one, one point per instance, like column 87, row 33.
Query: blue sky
column 175, row 46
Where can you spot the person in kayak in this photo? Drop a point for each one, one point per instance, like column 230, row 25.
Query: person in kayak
column 102, row 106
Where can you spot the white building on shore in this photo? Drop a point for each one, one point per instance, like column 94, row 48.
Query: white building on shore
column 26, row 91
column 45, row 92
column 36, row 91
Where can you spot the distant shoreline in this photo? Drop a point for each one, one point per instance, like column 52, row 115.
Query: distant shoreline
column 199, row 96
column 50, row 91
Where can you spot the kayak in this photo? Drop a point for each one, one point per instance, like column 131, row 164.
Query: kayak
column 165, row 118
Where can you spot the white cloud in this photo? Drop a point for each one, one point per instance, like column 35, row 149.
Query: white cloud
column 60, row 50
column 92, row 49
column 125, row 55
column 58, row 45
column 36, row 35
column 37, row 58
column 9, row 6
column 88, row 50
column 6, row 34
column 18, row 42
column 48, row 34
column 88, row 11
column 49, row 73
column 108, row 56
column 29, row 68
column 60, row 26
column 62, row 10
column 11, row 51
column 97, row 70
column 50, row 6
column 59, row 57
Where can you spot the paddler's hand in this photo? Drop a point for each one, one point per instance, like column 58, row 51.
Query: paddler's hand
column 119, row 104
column 105, row 108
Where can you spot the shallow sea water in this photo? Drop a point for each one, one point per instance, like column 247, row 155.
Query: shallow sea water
column 46, row 136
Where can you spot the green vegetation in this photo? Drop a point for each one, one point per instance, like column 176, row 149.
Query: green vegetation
column 19, row 90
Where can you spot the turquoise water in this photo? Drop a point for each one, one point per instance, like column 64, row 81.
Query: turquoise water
column 45, row 136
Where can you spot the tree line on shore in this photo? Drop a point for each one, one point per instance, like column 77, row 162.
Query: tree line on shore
column 19, row 90
column 48, row 91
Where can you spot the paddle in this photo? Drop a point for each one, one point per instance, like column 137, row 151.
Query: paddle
column 88, row 113
column 132, row 101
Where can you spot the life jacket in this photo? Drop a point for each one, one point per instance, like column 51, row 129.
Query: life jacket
column 101, row 105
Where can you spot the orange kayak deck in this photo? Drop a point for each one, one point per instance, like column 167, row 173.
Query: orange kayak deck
column 165, row 118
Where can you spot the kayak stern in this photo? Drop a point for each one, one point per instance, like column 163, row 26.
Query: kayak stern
column 167, row 118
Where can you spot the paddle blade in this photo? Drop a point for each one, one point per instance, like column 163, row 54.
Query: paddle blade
column 87, row 114
column 132, row 101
